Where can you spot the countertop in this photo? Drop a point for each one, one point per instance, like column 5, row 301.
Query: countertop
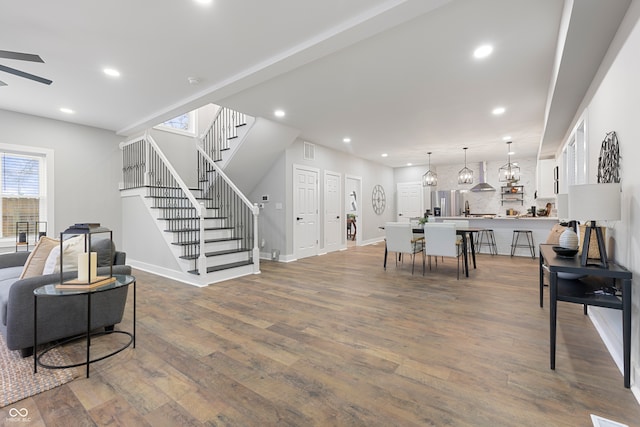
column 526, row 218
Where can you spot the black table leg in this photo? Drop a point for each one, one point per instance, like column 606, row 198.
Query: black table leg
column 385, row 255
column 553, row 305
column 465, row 255
column 626, row 330
column 473, row 249
column 541, row 280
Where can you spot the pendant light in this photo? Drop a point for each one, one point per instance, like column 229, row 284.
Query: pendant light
column 509, row 172
column 429, row 179
column 465, row 176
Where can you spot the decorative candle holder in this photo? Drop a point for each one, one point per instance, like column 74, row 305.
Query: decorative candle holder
column 87, row 260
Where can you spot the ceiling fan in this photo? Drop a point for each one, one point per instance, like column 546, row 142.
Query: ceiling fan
column 22, row 57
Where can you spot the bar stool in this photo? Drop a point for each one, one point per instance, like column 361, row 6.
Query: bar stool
column 486, row 238
column 514, row 241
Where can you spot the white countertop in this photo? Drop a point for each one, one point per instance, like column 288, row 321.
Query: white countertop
column 526, row 218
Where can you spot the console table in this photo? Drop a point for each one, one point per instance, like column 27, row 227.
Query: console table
column 585, row 287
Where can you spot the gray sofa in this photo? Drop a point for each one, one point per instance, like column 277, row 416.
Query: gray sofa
column 58, row 317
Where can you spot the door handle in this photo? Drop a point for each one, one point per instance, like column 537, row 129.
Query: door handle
column 338, row 217
column 298, row 218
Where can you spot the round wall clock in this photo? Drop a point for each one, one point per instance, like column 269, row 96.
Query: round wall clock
column 378, row 200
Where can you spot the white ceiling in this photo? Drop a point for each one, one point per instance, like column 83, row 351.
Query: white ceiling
column 396, row 76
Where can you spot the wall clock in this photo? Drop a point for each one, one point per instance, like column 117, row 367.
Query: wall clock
column 378, row 200
column 609, row 160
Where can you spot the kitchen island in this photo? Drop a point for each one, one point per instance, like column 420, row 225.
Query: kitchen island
column 503, row 227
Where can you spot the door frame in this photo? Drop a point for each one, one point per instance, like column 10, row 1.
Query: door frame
column 360, row 201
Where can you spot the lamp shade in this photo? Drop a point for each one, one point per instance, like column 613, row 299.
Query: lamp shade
column 594, row 202
column 562, row 205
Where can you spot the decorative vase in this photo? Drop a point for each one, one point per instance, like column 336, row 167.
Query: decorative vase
column 568, row 239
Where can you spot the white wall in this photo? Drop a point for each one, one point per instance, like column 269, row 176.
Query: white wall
column 613, row 104
column 271, row 221
column 88, row 168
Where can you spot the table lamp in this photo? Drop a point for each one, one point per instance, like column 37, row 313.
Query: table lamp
column 594, row 202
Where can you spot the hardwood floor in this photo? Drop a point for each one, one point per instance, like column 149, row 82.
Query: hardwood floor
column 335, row 340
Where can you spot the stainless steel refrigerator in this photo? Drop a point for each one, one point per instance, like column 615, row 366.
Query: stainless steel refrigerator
column 449, row 201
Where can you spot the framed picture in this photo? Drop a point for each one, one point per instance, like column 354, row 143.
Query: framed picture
column 555, row 173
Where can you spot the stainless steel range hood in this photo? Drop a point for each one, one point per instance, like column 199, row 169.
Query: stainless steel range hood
column 482, row 185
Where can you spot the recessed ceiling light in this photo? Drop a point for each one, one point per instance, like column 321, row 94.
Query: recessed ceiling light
column 279, row 113
column 483, row 51
column 204, row 1
column 111, row 72
column 498, row 110
column 346, row 140
column 384, row 154
column 67, row 110
column 506, row 138
column 409, row 164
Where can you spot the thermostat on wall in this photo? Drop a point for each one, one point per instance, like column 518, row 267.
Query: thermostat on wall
column 265, row 197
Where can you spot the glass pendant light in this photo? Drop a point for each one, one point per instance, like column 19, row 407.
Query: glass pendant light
column 465, row 176
column 509, row 172
column 429, row 179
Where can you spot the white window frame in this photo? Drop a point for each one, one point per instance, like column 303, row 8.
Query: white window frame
column 193, row 126
column 46, row 185
column 575, row 156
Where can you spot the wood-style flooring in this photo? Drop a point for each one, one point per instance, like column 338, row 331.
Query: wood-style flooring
column 335, row 340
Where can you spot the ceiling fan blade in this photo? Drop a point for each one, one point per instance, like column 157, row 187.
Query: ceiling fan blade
column 20, row 56
column 25, row 75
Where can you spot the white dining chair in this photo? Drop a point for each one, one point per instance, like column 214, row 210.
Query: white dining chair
column 440, row 240
column 459, row 223
column 399, row 238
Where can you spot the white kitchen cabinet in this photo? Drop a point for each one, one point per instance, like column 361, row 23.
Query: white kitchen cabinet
column 545, row 178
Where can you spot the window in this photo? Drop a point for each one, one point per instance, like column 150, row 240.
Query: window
column 22, row 189
column 185, row 124
column 575, row 157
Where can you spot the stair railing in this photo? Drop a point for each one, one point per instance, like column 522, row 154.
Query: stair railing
column 222, row 129
column 145, row 165
column 221, row 193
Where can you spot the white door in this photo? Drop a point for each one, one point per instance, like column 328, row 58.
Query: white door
column 409, row 201
column 334, row 221
column 305, row 211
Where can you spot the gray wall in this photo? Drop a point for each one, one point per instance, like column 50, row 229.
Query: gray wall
column 87, row 168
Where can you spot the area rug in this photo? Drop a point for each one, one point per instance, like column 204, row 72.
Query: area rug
column 17, row 379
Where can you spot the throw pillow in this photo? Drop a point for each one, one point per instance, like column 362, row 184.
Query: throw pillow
column 38, row 257
column 554, row 234
column 104, row 248
column 71, row 248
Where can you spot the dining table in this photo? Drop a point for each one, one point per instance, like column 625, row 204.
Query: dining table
column 467, row 236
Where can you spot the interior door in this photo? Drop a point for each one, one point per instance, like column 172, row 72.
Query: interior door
column 409, row 201
column 333, row 218
column 305, row 211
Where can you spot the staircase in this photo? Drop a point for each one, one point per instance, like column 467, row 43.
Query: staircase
column 211, row 229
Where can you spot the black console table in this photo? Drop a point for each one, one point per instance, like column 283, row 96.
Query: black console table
column 586, row 290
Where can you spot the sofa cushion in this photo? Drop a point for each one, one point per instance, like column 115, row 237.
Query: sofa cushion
column 38, row 257
column 10, row 273
column 106, row 251
column 71, row 248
